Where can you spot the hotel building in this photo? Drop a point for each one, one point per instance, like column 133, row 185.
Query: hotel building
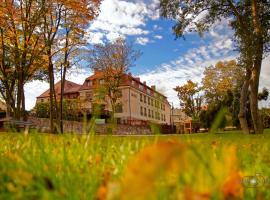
column 138, row 103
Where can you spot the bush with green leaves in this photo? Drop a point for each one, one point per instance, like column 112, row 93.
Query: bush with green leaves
column 71, row 109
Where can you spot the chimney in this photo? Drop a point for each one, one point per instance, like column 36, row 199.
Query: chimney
column 144, row 83
column 153, row 87
column 138, row 79
column 129, row 74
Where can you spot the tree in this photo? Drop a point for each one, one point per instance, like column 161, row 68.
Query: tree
column 190, row 98
column 21, row 51
column 220, row 78
column 74, row 26
column 249, row 19
column 113, row 60
column 72, row 16
column 221, row 85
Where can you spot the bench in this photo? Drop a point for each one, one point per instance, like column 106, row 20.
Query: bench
column 20, row 124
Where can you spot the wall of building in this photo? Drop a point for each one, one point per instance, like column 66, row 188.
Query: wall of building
column 136, row 105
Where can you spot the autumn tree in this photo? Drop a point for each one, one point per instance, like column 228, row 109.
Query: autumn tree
column 113, row 59
column 190, row 99
column 73, row 29
column 249, row 19
column 69, row 17
column 220, row 78
column 222, row 86
column 21, row 50
column 7, row 76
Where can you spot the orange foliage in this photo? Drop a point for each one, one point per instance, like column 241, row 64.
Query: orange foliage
column 142, row 171
column 190, row 194
column 232, row 187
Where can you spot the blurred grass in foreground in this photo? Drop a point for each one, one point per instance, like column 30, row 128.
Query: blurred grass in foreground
column 199, row 166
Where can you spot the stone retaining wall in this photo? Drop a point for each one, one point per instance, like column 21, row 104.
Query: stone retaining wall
column 43, row 125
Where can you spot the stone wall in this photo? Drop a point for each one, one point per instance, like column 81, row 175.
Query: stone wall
column 42, row 124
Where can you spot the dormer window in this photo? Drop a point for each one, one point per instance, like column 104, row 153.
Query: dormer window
column 89, row 83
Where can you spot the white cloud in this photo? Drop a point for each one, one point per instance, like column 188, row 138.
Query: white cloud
column 158, row 37
column 192, row 63
column 96, row 38
column 112, row 36
column 153, row 9
column 123, row 18
column 157, row 27
column 142, row 40
column 32, row 90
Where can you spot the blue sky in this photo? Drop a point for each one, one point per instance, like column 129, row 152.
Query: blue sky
column 165, row 62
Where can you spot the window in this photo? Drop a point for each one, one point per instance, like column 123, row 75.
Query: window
column 149, row 113
column 42, row 100
column 118, row 108
column 152, row 102
column 145, row 114
column 89, row 83
column 152, row 114
column 148, row 91
column 148, row 100
column 101, row 81
column 141, row 87
column 141, row 98
column 141, row 110
column 144, row 97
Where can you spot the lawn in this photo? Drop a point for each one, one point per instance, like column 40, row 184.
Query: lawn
column 226, row 165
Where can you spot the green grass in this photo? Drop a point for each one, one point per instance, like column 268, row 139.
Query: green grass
column 205, row 166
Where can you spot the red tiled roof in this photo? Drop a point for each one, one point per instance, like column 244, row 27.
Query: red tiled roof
column 98, row 75
column 70, row 87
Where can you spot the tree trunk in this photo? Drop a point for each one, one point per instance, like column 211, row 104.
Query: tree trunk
column 52, row 103
column 19, row 96
column 255, row 73
column 63, row 80
column 243, row 106
column 56, row 110
column 256, row 118
column 254, row 85
column 23, row 106
column 8, row 111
